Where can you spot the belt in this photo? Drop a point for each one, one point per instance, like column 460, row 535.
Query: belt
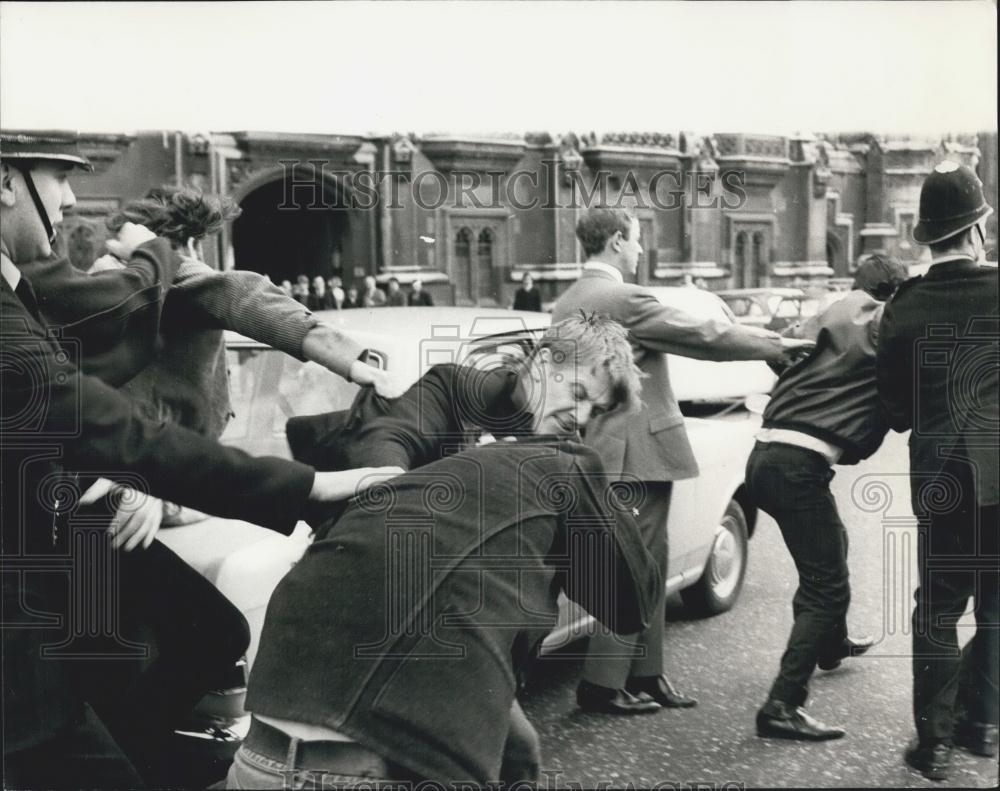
column 329, row 757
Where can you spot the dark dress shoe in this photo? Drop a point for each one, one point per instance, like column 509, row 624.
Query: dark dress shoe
column 932, row 760
column 604, row 700
column 778, row 720
column 976, row 737
column 661, row 690
column 850, row 647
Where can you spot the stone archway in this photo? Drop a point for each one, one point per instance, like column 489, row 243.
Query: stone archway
column 285, row 232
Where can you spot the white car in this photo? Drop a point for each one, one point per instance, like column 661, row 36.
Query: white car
column 704, row 380
column 710, row 518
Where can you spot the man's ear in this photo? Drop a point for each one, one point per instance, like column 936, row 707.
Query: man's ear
column 615, row 242
column 7, row 192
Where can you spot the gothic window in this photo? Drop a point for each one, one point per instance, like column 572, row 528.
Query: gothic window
column 463, row 243
column 486, row 244
column 758, row 250
column 463, row 265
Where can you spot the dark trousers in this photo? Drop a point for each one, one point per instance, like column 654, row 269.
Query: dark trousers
column 612, row 659
column 82, row 756
column 792, row 484
column 958, row 559
column 198, row 635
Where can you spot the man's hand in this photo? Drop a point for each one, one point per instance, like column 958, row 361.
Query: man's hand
column 386, row 383
column 137, row 520
column 331, row 486
column 130, row 236
column 794, row 349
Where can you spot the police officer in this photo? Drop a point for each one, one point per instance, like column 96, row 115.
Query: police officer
column 52, row 418
column 937, row 366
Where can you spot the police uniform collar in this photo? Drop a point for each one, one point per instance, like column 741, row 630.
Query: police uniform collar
column 10, row 272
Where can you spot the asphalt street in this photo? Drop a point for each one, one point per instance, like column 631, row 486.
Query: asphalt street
column 728, row 663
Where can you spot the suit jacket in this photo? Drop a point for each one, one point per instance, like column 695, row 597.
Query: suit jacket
column 53, row 416
column 653, row 445
column 407, row 621
column 937, row 364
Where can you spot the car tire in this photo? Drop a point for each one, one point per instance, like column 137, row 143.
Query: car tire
column 719, row 586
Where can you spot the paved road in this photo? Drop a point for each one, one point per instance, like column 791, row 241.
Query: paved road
column 728, row 663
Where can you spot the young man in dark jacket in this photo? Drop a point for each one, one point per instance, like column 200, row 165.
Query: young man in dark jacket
column 937, row 376
column 824, row 410
column 383, row 679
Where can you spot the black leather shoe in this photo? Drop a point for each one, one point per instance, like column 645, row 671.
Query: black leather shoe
column 979, row 738
column 661, row 690
column 604, row 700
column 850, row 647
column 778, row 720
column 932, row 760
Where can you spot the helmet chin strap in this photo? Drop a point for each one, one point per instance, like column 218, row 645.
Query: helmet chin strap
column 39, row 206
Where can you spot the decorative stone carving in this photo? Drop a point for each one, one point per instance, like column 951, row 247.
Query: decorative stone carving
column 402, row 150
column 493, row 152
column 365, row 154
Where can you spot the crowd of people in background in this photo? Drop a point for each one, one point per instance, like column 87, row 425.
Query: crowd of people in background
column 330, row 294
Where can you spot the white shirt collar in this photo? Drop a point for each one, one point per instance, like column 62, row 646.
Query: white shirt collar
column 10, row 272
column 600, row 266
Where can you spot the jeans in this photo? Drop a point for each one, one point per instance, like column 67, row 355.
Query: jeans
column 84, row 755
column 521, row 762
column 958, row 559
column 792, row 484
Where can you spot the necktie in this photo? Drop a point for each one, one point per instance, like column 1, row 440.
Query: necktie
column 26, row 294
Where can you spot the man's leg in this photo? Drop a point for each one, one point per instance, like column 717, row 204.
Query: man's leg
column 793, row 486
column 947, row 580
column 84, row 756
column 522, row 753
column 612, row 659
column 199, row 635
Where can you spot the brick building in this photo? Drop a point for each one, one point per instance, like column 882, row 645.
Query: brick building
column 470, row 215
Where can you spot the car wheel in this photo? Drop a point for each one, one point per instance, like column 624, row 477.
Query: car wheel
column 720, row 584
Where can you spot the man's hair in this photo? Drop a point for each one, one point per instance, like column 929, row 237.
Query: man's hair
column 880, row 275
column 593, row 341
column 177, row 213
column 394, row 280
column 950, row 243
column 600, row 224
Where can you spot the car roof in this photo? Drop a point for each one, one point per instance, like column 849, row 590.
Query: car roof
column 752, row 292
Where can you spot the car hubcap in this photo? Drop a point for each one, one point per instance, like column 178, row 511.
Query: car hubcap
column 726, row 563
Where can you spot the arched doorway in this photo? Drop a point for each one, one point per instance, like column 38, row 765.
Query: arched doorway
column 283, row 234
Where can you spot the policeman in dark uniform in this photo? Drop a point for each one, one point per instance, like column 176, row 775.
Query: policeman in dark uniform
column 55, row 419
column 938, row 360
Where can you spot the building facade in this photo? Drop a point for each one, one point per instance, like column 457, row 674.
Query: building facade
column 470, row 215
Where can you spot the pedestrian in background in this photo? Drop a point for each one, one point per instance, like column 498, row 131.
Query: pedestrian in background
column 938, row 361
column 395, row 297
column 373, row 296
column 319, row 297
column 527, row 296
column 824, row 410
column 418, row 297
column 352, row 300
